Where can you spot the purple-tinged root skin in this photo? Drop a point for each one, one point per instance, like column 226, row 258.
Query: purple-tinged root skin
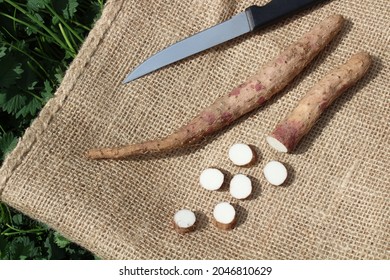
column 299, row 122
column 269, row 80
column 288, row 133
column 235, row 92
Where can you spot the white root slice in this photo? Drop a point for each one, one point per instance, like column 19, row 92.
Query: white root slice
column 275, row 172
column 276, row 144
column 211, row 179
column 224, row 216
column 184, row 221
column 241, row 154
column 240, row 186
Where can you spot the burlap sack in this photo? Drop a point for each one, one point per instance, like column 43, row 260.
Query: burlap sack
column 335, row 204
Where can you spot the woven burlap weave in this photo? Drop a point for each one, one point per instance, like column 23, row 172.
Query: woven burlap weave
column 335, row 204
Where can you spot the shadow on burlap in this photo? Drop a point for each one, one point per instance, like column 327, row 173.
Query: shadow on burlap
column 335, row 204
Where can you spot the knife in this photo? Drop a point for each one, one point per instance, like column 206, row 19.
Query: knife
column 253, row 18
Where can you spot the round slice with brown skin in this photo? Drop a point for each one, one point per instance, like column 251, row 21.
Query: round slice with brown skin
column 224, row 216
column 240, row 186
column 184, row 221
column 242, row 155
column 211, row 179
column 275, row 172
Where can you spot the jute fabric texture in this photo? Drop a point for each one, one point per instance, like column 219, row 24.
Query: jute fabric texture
column 335, row 204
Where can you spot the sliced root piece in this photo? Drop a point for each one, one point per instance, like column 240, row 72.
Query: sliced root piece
column 240, row 186
column 276, row 144
column 211, row 179
column 184, row 221
column 275, row 173
column 224, row 216
column 242, row 155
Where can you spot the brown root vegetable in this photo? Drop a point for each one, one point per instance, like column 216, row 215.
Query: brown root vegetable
column 224, row 216
column 270, row 79
column 289, row 131
column 184, row 221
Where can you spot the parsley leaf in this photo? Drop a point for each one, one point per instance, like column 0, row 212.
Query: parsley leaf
column 66, row 8
column 2, row 51
column 7, row 143
column 70, row 9
column 22, row 248
column 10, row 70
column 12, row 102
column 37, row 5
column 61, row 241
column 47, row 92
column 31, row 107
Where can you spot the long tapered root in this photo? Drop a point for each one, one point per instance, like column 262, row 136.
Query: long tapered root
column 154, row 146
column 269, row 80
column 288, row 132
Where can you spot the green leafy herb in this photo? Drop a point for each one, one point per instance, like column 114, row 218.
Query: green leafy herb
column 61, row 241
column 7, row 143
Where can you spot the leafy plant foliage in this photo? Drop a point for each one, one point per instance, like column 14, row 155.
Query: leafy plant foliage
column 38, row 40
column 23, row 238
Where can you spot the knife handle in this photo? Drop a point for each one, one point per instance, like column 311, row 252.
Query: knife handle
column 260, row 16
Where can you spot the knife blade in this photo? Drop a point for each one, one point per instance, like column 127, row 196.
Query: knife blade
column 253, row 18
